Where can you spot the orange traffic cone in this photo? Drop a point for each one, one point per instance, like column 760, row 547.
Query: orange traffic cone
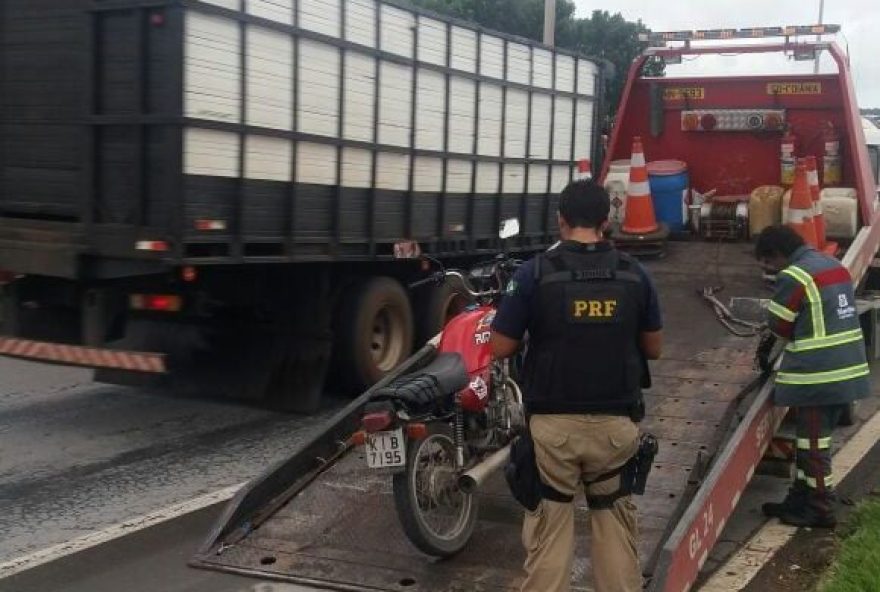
column 818, row 217
column 639, row 217
column 800, row 209
column 585, row 172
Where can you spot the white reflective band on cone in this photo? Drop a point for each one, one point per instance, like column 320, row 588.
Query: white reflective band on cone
column 640, row 188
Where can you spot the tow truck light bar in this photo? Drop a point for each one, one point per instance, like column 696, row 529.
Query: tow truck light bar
column 751, row 33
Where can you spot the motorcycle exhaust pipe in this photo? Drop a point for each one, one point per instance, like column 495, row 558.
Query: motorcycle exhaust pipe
column 471, row 479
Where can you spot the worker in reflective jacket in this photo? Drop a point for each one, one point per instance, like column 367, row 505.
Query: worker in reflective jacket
column 823, row 366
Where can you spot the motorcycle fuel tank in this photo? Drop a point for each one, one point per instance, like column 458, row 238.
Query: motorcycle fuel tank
column 468, row 335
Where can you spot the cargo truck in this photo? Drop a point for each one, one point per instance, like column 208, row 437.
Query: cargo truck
column 214, row 191
column 323, row 518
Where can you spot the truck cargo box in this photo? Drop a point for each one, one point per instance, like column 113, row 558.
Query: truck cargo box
column 285, row 130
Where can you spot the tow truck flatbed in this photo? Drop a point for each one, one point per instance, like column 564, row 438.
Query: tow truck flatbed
column 338, row 529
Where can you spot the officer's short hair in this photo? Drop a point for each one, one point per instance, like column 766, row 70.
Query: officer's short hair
column 777, row 240
column 584, row 204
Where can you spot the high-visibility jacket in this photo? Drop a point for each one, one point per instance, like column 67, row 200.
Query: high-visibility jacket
column 814, row 308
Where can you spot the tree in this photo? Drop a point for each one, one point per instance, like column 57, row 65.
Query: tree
column 602, row 35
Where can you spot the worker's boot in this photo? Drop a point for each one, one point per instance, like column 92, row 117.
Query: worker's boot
column 803, row 507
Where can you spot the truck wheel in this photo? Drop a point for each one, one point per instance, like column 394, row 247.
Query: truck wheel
column 439, row 304
column 374, row 331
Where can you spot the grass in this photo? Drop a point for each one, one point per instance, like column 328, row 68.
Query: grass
column 857, row 566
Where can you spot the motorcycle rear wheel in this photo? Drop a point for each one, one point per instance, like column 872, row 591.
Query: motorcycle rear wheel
column 436, row 516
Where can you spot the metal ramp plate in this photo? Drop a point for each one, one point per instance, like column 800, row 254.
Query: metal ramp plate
column 342, row 531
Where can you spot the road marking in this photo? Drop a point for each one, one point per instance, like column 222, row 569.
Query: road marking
column 745, row 564
column 93, row 539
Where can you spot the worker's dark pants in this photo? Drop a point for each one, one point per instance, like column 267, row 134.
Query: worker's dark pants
column 813, row 457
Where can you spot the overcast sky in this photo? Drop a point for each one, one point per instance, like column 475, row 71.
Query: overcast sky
column 859, row 19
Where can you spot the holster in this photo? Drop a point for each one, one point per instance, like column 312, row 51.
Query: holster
column 524, row 478
column 633, row 474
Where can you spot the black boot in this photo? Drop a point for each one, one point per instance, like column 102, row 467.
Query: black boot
column 803, row 507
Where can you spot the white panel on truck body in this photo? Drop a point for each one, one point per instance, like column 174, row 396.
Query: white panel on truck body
column 586, row 77
column 432, row 41
column 316, row 163
column 230, row 4
column 268, row 158
column 541, row 119
column 538, row 174
column 542, row 69
column 210, row 152
column 518, row 63
column 357, row 168
column 360, row 84
column 458, row 176
column 280, row 11
column 562, row 131
column 464, row 49
column 583, row 130
column 269, row 78
column 490, row 120
column 487, row 177
column 392, row 171
column 492, row 57
column 395, row 97
column 428, row 174
column 321, row 16
column 397, row 31
column 565, row 73
column 360, row 22
column 514, row 178
column 318, row 88
column 560, row 177
column 430, row 110
column 515, row 122
column 462, row 97
column 212, row 70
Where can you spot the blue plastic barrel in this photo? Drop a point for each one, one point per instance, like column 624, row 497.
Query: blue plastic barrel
column 669, row 188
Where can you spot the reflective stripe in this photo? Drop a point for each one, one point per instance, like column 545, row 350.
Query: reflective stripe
column 781, row 312
column 799, row 216
column 823, row 377
column 812, row 295
column 823, row 443
column 820, row 342
column 811, row 481
column 640, row 188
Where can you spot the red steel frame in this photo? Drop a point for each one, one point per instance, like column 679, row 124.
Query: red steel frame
column 687, row 548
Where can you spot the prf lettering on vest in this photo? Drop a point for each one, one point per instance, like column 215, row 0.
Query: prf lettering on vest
column 594, row 309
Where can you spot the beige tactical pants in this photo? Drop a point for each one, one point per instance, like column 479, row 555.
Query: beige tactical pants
column 571, row 450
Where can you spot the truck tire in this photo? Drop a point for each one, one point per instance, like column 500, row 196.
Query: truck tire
column 374, row 332
column 437, row 305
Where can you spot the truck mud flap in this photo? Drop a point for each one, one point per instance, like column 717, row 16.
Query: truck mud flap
column 83, row 356
column 258, row 500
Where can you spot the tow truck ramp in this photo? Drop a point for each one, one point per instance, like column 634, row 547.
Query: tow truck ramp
column 323, row 518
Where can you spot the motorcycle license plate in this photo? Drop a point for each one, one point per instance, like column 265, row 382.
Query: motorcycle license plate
column 386, row 449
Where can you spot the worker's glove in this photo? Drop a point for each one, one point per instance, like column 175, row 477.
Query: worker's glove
column 765, row 354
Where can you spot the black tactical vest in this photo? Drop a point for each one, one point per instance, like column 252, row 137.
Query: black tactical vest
column 583, row 354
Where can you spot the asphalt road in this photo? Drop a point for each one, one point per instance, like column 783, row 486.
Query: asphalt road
column 77, row 456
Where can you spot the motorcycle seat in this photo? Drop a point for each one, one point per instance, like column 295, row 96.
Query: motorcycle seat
column 444, row 376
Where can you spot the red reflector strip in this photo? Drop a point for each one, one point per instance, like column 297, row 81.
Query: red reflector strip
column 88, row 357
column 207, row 225
column 6, row 277
column 158, row 302
column 157, row 246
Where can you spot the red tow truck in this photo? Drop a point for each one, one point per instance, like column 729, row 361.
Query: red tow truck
column 321, row 518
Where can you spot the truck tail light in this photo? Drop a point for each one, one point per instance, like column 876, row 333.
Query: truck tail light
column 210, row 225
column 154, row 246
column 156, row 302
column 708, row 121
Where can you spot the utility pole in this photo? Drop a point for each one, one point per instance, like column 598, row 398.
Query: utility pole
column 819, row 37
column 549, row 22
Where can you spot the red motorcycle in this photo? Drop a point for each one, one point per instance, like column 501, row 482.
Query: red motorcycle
column 444, row 429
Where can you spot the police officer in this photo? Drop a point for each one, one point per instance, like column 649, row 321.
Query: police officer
column 823, row 367
column 592, row 316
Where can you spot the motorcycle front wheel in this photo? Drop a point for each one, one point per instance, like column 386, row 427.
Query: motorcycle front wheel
column 437, row 517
